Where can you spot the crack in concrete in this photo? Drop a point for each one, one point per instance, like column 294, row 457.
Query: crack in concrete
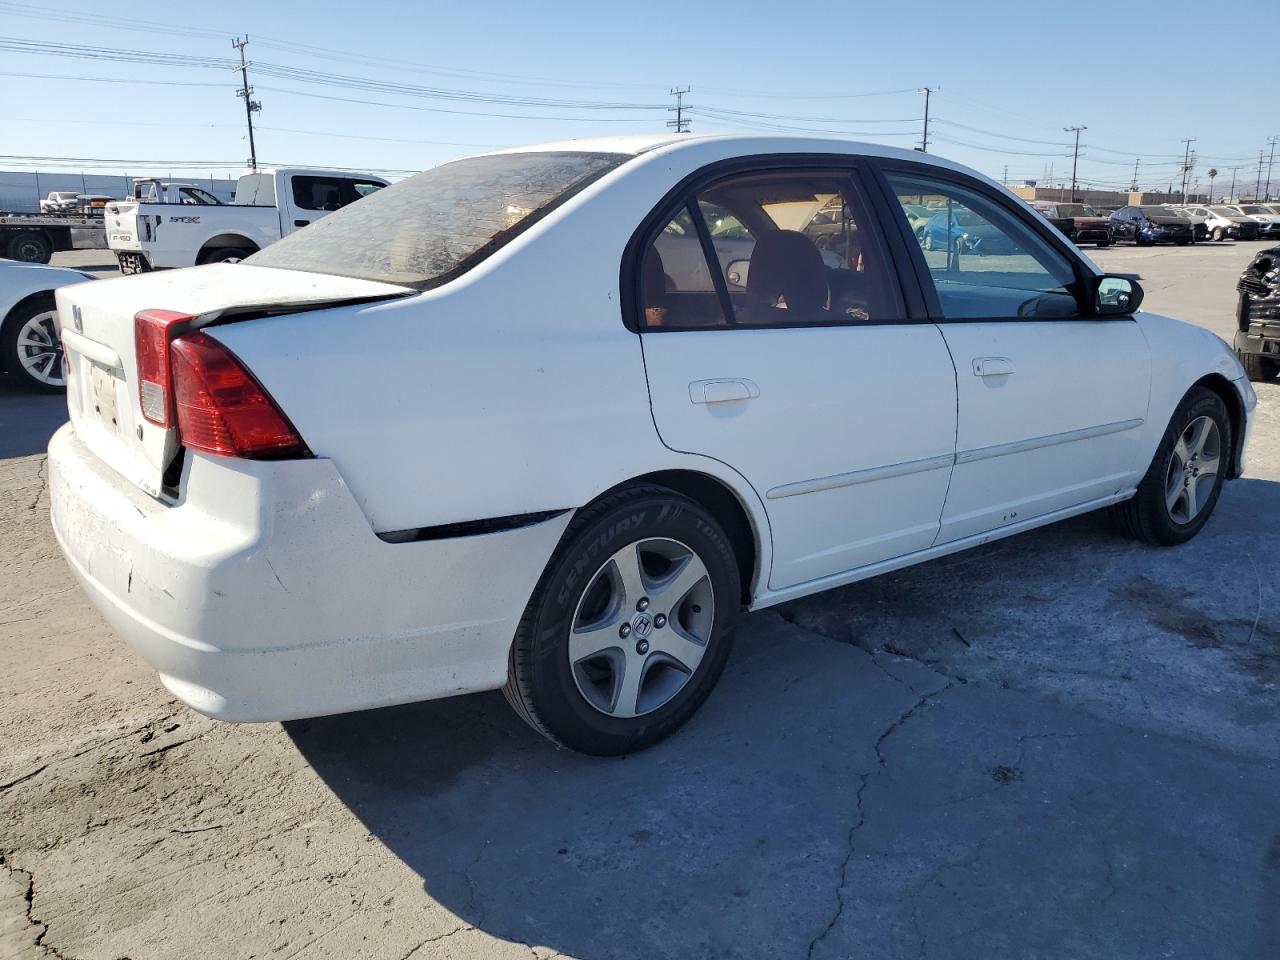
column 42, row 474
column 437, row 939
column 29, row 895
column 863, row 781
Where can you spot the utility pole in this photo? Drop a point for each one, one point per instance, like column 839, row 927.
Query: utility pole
column 1270, row 160
column 924, row 137
column 250, row 106
column 1257, row 187
column 1005, row 181
column 1134, row 186
column 1075, row 156
column 679, row 124
column 1186, row 165
column 1232, row 195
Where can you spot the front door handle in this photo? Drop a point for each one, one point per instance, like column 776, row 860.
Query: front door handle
column 301, row 223
column 992, row 367
column 722, row 391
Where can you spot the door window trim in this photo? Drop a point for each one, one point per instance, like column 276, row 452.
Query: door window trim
column 684, row 196
column 879, row 169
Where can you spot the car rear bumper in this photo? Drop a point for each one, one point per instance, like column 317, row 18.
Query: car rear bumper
column 264, row 594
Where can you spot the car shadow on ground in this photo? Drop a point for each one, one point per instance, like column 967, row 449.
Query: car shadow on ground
column 737, row 836
column 27, row 419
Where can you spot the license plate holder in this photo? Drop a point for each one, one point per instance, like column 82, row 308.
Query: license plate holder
column 103, row 384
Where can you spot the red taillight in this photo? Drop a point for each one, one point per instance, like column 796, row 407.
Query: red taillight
column 221, row 408
column 153, row 331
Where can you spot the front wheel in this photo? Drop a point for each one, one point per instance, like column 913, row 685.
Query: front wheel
column 1218, row 235
column 1182, row 485
column 630, row 625
column 31, row 247
column 1258, row 368
column 32, row 347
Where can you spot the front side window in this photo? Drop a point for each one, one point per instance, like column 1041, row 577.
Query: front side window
column 787, row 249
column 985, row 262
column 427, row 229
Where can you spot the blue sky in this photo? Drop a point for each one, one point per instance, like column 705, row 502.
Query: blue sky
column 1139, row 75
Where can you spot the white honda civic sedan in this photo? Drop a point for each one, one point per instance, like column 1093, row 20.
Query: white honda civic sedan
column 549, row 419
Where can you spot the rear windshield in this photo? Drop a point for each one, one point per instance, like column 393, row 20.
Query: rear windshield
column 1162, row 212
column 426, row 230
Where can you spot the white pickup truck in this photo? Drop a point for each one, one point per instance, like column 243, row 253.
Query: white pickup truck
column 269, row 204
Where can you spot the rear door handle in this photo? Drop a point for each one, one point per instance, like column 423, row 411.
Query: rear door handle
column 992, row 366
column 301, row 223
column 722, row 391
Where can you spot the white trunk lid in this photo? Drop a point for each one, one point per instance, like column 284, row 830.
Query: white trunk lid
column 124, row 227
column 98, row 336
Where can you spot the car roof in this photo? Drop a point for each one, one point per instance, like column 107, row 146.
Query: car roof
column 744, row 145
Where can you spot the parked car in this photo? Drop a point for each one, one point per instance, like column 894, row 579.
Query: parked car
column 30, row 348
column 1199, row 224
column 151, row 234
column 1078, row 222
column 59, row 201
column 1145, row 225
column 1267, row 221
column 1257, row 339
column 1226, row 224
column 466, row 434
column 962, row 230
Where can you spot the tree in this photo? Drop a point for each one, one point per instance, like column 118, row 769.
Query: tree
column 1213, row 172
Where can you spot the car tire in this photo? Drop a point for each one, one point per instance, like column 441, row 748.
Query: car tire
column 30, row 247
column 1258, row 368
column 928, row 240
column 584, row 698
column 26, row 329
column 1170, row 507
column 224, row 255
column 1103, row 243
column 1183, row 243
column 1218, row 235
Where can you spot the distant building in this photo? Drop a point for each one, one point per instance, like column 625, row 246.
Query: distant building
column 1104, row 198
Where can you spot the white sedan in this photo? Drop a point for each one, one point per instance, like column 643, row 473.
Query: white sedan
column 30, row 350
column 472, row 432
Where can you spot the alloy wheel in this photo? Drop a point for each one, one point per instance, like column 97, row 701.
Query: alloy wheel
column 40, row 350
column 1193, row 470
column 641, row 627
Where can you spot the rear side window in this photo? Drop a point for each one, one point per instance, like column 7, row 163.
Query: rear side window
column 770, row 249
column 428, row 229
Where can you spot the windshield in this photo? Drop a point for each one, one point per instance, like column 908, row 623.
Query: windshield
column 1074, row 210
column 1256, row 211
column 1162, row 212
column 1224, row 211
column 427, row 229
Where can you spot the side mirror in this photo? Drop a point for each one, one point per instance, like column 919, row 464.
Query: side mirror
column 1115, row 295
column 736, row 273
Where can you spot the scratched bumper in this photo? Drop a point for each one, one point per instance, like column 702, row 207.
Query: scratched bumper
column 263, row 594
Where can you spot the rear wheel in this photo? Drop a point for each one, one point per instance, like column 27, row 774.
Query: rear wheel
column 1258, row 368
column 630, row 625
column 32, row 348
column 1218, row 235
column 225, row 255
column 31, row 248
column 1182, row 485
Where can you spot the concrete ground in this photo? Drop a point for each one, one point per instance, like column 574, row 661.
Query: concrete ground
column 1063, row 745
